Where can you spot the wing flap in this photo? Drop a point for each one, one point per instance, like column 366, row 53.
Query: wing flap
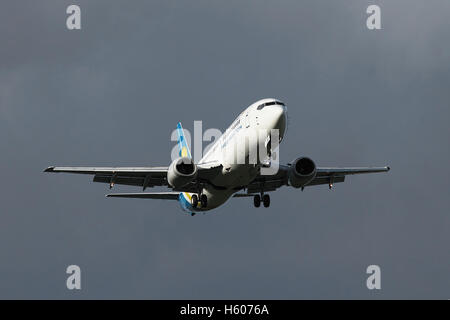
column 325, row 180
column 128, row 181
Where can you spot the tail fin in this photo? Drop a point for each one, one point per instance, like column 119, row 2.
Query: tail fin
column 182, row 143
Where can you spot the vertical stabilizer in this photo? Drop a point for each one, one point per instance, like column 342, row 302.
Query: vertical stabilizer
column 182, row 143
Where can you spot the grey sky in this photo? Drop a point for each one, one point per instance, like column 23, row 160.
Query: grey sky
column 112, row 93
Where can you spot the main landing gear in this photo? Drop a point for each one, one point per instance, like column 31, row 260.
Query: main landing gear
column 265, row 200
column 203, row 200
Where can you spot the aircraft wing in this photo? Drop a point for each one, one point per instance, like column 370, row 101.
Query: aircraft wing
column 325, row 175
column 139, row 176
column 146, row 195
column 133, row 176
column 347, row 171
column 106, row 170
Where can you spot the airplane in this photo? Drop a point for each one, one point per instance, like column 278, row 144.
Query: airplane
column 206, row 185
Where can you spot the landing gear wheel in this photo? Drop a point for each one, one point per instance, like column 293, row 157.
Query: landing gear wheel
column 194, row 200
column 257, row 200
column 266, row 200
column 204, row 200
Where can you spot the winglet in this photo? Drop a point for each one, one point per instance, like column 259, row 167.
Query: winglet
column 182, row 143
column 49, row 169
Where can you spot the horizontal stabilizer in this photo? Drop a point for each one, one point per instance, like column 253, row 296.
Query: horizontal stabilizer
column 146, row 195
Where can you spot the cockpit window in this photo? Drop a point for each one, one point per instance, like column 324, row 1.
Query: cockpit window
column 279, row 103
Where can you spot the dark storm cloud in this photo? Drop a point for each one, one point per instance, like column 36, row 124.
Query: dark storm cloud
column 111, row 94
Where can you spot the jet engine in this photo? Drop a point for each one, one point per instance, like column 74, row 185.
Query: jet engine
column 302, row 172
column 181, row 172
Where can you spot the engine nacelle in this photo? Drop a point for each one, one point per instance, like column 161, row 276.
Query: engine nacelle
column 303, row 171
column 181, row 172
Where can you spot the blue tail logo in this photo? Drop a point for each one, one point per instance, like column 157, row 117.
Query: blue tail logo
column 182, row 143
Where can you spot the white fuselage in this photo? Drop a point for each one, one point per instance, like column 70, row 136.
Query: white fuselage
column 238, row 153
